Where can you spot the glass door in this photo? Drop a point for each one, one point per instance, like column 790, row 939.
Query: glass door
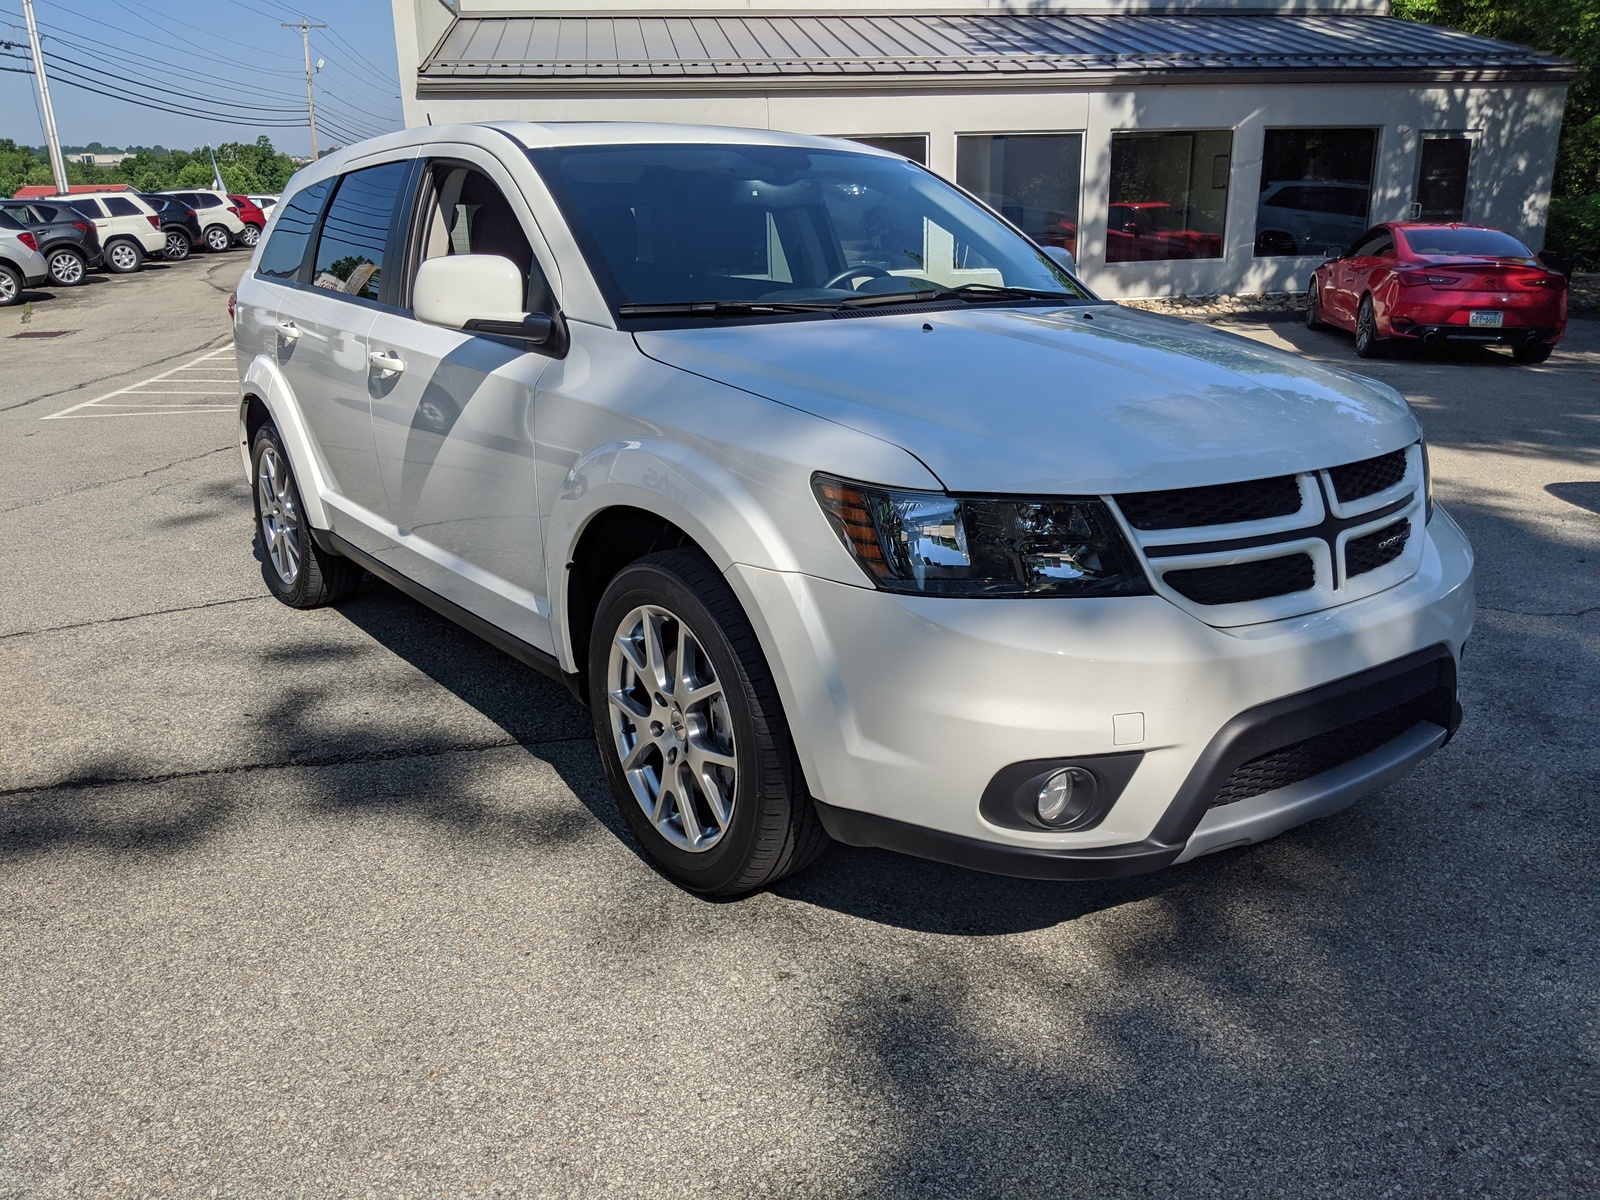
column 1442, row 170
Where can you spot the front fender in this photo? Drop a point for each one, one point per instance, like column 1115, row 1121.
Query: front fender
column 263, row 381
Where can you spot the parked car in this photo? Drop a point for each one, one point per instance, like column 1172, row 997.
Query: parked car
column 254, row 219
column 129, row 228
column 219, row 219
column 69, row 243
column 1440, row 283
column 1151, row 230
column 1308, row 216
column 966, row 564
column 179, row 222
column 21, row 264
column 264, row 203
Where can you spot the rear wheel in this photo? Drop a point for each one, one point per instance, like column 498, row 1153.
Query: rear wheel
column 1368, row 343
column 11, row 284
column 1314, row 305
column 1532, row 356
column 123, row 257
column 297, row 570
column 218, row 238
column 691, row 732
column 250, row 236
column 177, row 248
column 66, row 267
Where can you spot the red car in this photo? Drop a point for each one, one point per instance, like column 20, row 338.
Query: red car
column 1437, row 283
column 248, row 211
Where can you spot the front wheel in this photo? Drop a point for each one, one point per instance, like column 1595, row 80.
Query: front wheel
column 1314, row 306
column 177, row 248
column 66, row 268
column 250, row 236
column 1532, row 356
column 1368, row 343
column 123, row 257
column 691, row 732
column 297, row 570
column 218, row 239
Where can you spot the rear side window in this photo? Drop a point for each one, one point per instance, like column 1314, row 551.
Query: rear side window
column 355, row 232
column 119, row 206
column 89, row 208
column 202, row 200
column 285, row 250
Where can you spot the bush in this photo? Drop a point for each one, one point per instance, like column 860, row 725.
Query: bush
column 1574, row 229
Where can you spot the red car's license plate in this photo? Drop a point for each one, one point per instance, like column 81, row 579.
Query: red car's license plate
column 1486, row 318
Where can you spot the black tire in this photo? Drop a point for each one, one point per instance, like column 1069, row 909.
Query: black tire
column 123, row 256
column 1368, row 343
column 319, row 576
column 217, row 238
column 178, row 246
column 772, row 828
column 67, row 268
column 1314, row 306
column 251, row 235
column 11, row 285
column 1532, row 356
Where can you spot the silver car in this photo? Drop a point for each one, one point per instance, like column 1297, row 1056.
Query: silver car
column 21, row 264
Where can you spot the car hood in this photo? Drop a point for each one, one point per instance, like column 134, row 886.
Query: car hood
column 1089, row 399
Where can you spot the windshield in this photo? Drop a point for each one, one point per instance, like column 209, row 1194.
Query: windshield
column 735, row 226
column 1473, row 243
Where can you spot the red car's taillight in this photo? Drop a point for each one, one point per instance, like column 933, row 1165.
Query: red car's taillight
column 1426, row 279
column 27, row 240
column 155, row 221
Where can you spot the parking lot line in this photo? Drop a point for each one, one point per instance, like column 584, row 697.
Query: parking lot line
column 167, row 394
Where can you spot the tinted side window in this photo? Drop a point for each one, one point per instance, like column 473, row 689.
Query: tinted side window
column 355, row 232
column 203, row 200
column 119, row 206
column 89, row 208
column 286, row 248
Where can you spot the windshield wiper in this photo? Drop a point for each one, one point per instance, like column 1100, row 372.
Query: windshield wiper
column 967, row 291
column 724, row 308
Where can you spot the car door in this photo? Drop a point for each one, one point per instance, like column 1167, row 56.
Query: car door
column 453, row 412
column 322, row 323
column 1348, row 277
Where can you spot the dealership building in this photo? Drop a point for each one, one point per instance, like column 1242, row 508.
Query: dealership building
column 1175, row 148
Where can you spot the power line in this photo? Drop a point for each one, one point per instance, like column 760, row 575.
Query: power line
column 167, row 108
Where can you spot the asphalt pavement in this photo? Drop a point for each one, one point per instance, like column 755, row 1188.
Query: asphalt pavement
column 337, row 903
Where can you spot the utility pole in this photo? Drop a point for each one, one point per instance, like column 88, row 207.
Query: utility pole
column 305, row 27
column 52, row 139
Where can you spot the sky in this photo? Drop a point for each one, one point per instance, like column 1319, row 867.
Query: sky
column 223, row 58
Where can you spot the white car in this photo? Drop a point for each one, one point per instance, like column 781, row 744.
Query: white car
column 220, row 224
column 21, row 264
column 923, row 547
column 129, row 229
column 264, row 203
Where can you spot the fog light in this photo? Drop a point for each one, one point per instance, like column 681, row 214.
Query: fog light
column 1064, row 796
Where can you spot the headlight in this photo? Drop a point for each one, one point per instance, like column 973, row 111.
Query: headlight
column 942, row 545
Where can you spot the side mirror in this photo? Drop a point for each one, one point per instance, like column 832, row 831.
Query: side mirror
column 1062, row 257
column 1131, row 227
column 1335, row 252
column 477, row 293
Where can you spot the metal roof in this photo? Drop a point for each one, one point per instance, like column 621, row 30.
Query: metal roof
column 717, row 51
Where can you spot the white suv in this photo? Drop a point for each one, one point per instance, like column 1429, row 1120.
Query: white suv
column 129, row 229
column 845, row 508
column 220, row 224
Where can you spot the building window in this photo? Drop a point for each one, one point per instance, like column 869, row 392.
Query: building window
column 1169, row 195
column 1316, row 188
column 912, row 145
column 1029, row 179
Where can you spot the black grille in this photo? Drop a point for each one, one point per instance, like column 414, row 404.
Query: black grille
column 1376, row 549
column 1244, row 581
column 1368, row 477
column 1307, row 759
column 1222, row 504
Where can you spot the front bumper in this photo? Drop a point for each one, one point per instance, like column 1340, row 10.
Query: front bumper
column 904, row 709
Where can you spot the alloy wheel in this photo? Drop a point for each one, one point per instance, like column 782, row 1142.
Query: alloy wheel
column 177, row 248
column 66, row 268
column 9, row 288
column 250, row 236
column 280, row 522
column 217, row 238
column 123, row 257
column 671, row 727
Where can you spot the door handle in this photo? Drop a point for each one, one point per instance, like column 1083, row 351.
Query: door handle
column 288, row 330
column 387, row 361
